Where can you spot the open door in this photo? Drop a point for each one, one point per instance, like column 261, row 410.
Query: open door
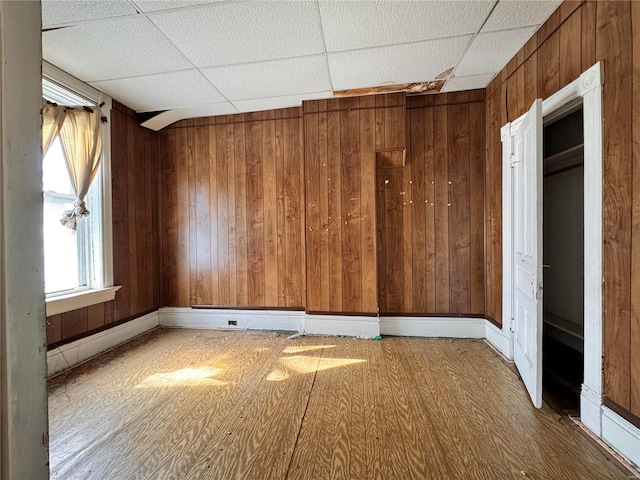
column 526, row 166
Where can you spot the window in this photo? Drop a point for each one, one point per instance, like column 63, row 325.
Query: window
column 78, row 264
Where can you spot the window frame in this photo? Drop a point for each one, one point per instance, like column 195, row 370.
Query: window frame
column 101, row 287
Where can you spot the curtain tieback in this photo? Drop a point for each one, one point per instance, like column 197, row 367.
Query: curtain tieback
column 70, row 217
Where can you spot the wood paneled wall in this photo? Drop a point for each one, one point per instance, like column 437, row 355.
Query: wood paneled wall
column 430, row 211
column 135, row 242
column 576, row 36
column 342, row 137
column 232, row 206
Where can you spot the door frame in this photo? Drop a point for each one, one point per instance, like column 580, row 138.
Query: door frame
column 588, row 89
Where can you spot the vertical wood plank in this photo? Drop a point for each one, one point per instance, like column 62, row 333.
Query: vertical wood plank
column 335, row 212
column 614, row 32
column 571, row 47
column 313, row 173
column 441, row 206
column 419, row 207
column 270, row 213
column 222, row 191
column 74, row 323
column 476, row 206
column 242, row 273
column 459, row 235
column 351, row 230
column 283, row 242
column 294, row 262
column 213, row 212
column 429, row 223
column 255, row 214
column 323, row 160
column 548, row 67
column 203, row 218
column 54, row 329
column 635, row 245
column 184, row 277
column 588, row 41
column 95, row 316
column 368, row 210
column 193, row 236
column 231, row 192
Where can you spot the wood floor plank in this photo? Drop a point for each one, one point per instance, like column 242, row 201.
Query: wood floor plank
column 180, row 403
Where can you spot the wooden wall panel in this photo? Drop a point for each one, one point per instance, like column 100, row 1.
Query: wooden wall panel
column 341, row 138
column 237, row 198
column 574, row 38
column 431, row 234
column 135, row 158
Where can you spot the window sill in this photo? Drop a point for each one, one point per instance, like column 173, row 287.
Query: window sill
column 73, row 301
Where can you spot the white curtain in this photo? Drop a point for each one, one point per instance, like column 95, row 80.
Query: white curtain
column 81, row 136
column 80, row 132
column 52, row 118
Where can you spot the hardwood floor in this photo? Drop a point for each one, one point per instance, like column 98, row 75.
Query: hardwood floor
column 245, row 405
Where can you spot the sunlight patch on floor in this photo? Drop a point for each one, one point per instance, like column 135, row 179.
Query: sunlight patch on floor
column 302, row 349
column 301, row 364
column 186, row 377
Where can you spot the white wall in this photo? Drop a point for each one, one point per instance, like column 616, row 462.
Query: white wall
column 23, row 394
column 563, row 231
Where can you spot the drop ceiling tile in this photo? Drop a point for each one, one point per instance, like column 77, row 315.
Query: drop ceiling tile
column 66, row 12
column 242, row 32
column 516, row 13
column 415, row 62
column 119, row 48
column 351, row 25
column 206, row 110
column 162, row 91
column 156, row 5
column 286, row 101
column 490, row 52
column 274, row 78
column 456, row 84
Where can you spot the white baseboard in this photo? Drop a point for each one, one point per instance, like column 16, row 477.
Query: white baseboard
column 590, row 410
column 73, row 353
column 436, row 327
column 500, row 339
column 245, row 319
column 621, row 435
column 351, row 326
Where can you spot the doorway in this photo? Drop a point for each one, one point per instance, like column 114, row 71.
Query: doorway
column 563, row 261
column 522, row 142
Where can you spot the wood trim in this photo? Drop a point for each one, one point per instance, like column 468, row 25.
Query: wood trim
column 493, row 321
column 439, row 315
column 64, row 341
column 227, row 307
column 344, row 314
column 623, row 412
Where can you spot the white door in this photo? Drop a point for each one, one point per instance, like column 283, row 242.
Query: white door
column 526, row 136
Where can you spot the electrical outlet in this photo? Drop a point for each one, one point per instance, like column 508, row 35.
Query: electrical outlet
column 233, row 323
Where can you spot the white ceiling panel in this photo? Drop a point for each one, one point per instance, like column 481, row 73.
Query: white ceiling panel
column 456, row 84
column 124, row 47
column 162, row 91
column 66, row 12
column 489, row 52
column 517, row 13
column 156, row 5
column 415, row 62
column 260, row 104
column 230, row 33
column 275, row 78
column 351, row 25
column 204, row 110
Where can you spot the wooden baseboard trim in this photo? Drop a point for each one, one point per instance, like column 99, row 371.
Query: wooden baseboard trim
column 70, row 354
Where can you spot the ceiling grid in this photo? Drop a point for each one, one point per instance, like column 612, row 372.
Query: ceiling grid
column 205, row 57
